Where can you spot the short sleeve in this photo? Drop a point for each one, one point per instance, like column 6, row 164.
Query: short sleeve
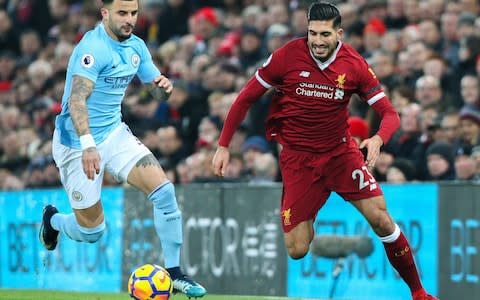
column 273, row 69
column 147, row 71
column 89, row 60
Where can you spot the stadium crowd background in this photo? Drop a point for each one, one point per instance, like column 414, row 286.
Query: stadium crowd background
column 426, row 53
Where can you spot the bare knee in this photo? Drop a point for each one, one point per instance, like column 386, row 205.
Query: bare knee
column 90, row 217
column 298, row 240
column 298, row 250
column 382, row 224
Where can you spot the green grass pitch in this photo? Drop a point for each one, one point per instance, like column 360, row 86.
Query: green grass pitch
column 56, row 295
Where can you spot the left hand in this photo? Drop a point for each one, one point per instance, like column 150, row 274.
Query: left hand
column 164, row 83
column 373, row 145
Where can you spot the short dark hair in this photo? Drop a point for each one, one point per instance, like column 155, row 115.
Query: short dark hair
column 324, row 11
column 108, row 2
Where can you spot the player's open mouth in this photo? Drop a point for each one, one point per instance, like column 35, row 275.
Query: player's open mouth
column 320, row 49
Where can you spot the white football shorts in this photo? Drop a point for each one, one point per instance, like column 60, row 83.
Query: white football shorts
column 119, row 153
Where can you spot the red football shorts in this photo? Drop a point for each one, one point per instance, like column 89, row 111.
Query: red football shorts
column 309, row 178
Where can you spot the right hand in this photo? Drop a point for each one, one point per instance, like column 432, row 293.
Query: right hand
column 91, row 162
column 220, row 161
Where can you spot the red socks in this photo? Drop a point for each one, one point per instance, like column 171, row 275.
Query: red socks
column 401, row 258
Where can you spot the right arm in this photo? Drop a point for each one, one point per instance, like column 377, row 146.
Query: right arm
column 250, row 93
column 266, row 77
column 77, row 105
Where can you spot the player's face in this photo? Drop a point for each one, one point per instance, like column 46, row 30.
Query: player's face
column 121, row 17
column 322, row 38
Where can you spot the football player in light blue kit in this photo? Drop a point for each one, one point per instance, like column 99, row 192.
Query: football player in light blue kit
column 90, row 138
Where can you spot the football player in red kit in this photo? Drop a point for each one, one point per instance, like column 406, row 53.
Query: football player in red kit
column 314, row 79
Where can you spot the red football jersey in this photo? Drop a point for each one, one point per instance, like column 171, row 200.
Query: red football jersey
column 309, row 110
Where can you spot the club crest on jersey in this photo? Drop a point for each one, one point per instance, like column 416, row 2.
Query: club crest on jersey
column 135, row 60
column 341, row 80
column 87, row 61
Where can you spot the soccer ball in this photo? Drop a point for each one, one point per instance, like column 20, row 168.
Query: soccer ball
column 150, row 282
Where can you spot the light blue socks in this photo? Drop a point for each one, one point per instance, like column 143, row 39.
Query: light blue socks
column 168, row 222
column 68, row 225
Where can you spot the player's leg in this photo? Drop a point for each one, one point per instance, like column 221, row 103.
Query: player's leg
column 86, row 223
column 133, row 162
column 299, row 238
column 350, row 178
column 303, row 195
column 396, row 244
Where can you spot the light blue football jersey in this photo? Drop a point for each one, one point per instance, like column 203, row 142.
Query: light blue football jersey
column 111, row 65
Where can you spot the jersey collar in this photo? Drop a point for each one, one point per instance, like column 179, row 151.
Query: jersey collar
column 325, row 64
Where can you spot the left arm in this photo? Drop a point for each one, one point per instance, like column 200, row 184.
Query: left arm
column 389, row 124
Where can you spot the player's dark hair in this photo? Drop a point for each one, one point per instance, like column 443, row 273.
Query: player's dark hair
column 107, row 2
column 324, row 11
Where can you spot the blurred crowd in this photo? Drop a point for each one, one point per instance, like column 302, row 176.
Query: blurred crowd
column 426, row 53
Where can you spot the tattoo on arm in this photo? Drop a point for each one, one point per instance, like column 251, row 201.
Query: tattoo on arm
column 81, row 89
column 147, row 161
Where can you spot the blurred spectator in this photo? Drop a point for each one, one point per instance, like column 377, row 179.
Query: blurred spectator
column 170, row 144
column 476, row 159
column 208, row 133
column 401, row 96
column 395, row 18
column 358, row 128
column 7, row 69
column 383, row 63
column 204, row 24
column 412, row 11
column 437, row 67
column 265, row 169
column 450, row 125
column 372, row 33
column 14, row 156
column 450, row 45
column 440, row 162
column 298, row 21
column 278, row 13
column 468, row 53
column 277, row 35
column 401, row 171
column 428, row 92
column 466, row 24
column 430, row 34
column 464, row 167
column 469, row 128
column 235, row 167
column 10, row 182
column 470, row 89
column 404, row 142
column 30, row 46
column 250, row 51
column 238, row 139
column 253, row 147
column 8, row 35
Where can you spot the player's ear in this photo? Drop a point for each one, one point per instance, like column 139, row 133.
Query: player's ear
column 104, row 13
column 340, row 32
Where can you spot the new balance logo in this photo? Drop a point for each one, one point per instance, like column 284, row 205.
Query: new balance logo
column 305, row 74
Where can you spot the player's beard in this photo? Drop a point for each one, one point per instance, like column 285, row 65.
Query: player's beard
column 323, row 52
column 122, row 32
